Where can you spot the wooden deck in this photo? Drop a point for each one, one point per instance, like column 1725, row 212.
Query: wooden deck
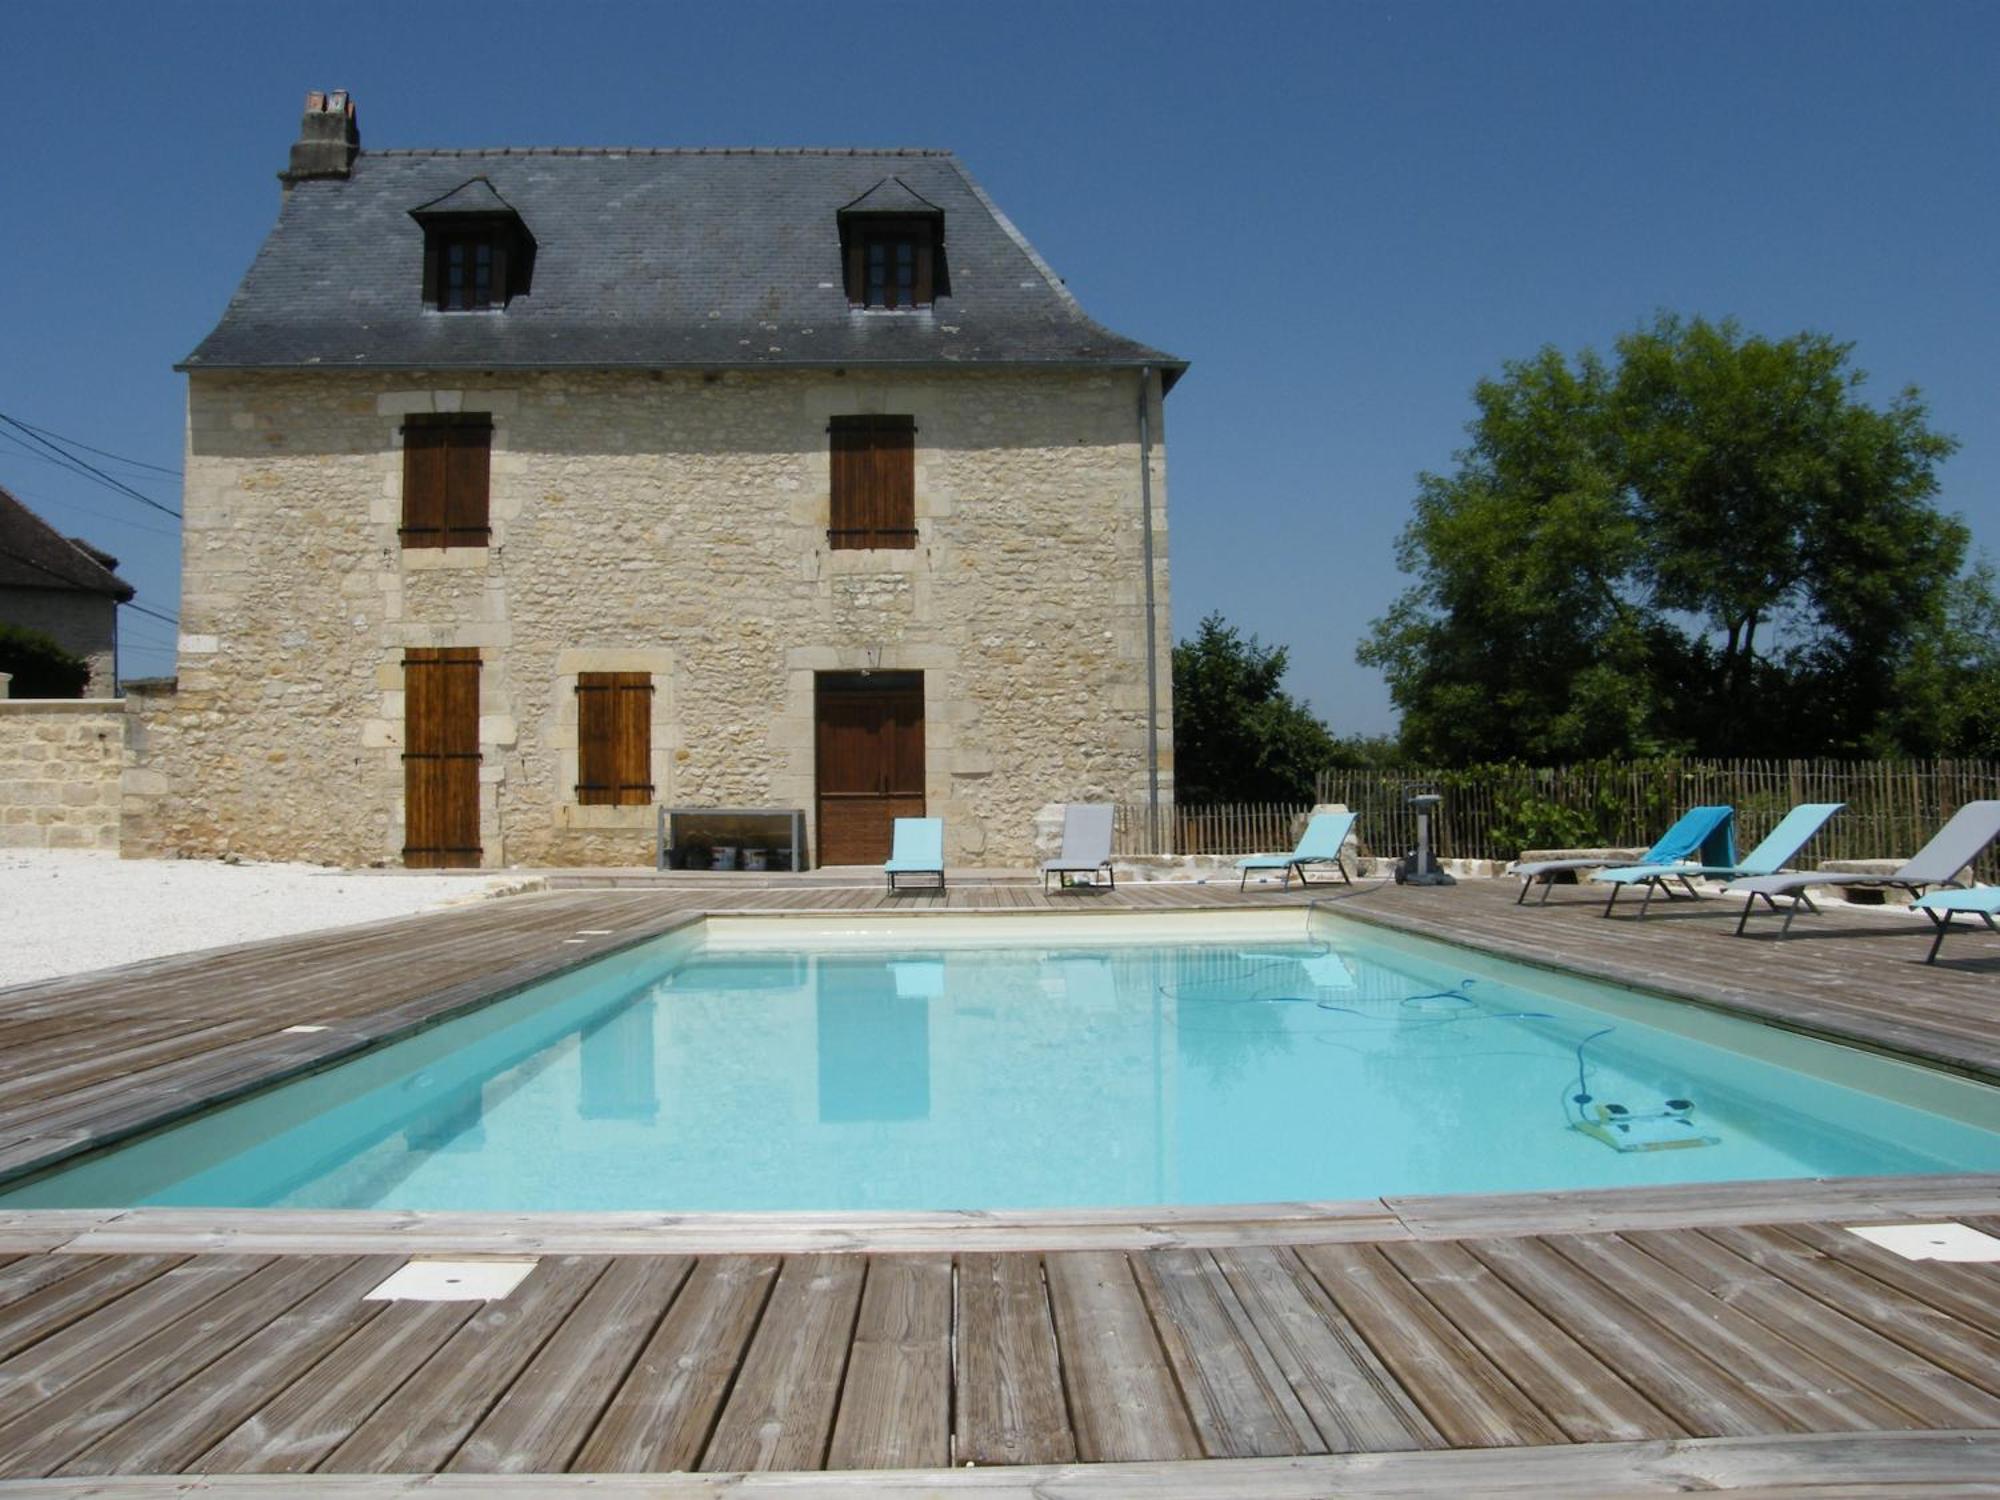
column 164, row 1364
column 1713, row 1337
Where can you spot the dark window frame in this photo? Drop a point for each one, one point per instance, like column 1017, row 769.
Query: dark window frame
column 454, row 453
column 871, row 483
column 510, row 259
column 864, row 234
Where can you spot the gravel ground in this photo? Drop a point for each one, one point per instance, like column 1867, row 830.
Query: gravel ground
column 64, row 912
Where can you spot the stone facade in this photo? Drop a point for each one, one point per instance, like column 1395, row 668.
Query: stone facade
column 661, row 522
column 82, row 623
column 61, row 764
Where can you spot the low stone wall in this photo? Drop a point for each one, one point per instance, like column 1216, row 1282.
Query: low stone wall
column 62, row 764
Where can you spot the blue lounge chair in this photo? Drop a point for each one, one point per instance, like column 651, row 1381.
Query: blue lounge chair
column 1981, row 901
column 1320, row 844
column 1707, row 832
column 1794, row 831
column 1940, row 862
column 918, row 850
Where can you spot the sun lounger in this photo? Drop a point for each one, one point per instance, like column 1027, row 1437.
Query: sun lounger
column 918, row 849
column 1794, row 831
column 1940, row 906
column 1086, row 846
column 1707, row 832
column 1940, row 862
column 1319, row 845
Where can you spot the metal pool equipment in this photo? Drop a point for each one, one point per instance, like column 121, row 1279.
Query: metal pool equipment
column 1420, row 866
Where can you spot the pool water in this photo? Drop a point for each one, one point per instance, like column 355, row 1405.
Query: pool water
column 1108, row 1061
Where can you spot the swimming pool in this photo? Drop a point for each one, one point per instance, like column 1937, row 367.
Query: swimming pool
column 990, row 1061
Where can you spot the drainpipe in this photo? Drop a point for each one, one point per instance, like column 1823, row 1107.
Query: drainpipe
column 1152, row 632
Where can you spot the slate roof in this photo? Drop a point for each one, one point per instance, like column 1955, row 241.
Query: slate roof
column 652, row 259
column 34, row 555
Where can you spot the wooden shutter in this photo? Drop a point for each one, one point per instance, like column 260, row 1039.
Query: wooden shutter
column 874, row 482
column 447, row 473
column 614, row 739
column 441, row 757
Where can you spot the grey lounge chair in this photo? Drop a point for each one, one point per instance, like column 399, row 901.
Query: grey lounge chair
column 1794, row 831
column 1940, row 862
column 1086, row 846
column 1707, row 831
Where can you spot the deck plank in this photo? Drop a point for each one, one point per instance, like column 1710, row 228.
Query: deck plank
column 1749, row 1353
column 182, row 1423
column 662, row 1413
column 54, row 1291
column 895, row 1408
column 56, row 1428
column 1675, row 1374
column 294, row 1431
column 1580, row 1393
column 1241, row 1402
column 1123, row 1401
column 1956, row 1290
column 436, row 1408
column 1353, row 1401
column 1010, row 1406
column 114, row 1327
column 548, row 1413
column 1471, row 1401
column 780, row 1413
column 1928, row 1395
column 1943, row 1340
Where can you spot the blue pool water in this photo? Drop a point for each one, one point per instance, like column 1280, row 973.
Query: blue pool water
column 896, row 1070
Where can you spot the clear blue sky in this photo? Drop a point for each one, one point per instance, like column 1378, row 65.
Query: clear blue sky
column 1343, row 214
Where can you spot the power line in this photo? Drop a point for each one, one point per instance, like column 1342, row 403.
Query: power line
column 140, row 608
column 137, row 463
column 117, row 484
column 83, row 510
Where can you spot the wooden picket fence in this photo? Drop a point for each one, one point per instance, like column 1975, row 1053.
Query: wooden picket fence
column 1493, row 812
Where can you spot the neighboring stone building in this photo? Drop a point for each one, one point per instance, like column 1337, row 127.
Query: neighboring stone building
column 62, row 587
column 530, row 490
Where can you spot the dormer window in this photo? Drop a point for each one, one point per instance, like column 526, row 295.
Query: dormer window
column 892, row 248
column 466, row 264
column 478, row 255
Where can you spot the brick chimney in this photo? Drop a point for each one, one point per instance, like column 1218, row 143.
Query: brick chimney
column 329, row 138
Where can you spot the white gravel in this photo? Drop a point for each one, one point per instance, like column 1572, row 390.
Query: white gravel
column 65, row 912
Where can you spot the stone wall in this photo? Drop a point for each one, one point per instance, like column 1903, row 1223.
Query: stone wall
column 673, row 524
column 61, row 763
column 83, row 624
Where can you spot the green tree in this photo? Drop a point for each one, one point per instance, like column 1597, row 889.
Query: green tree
column 1238, row 736
column 40, row 668
column 1708, row 544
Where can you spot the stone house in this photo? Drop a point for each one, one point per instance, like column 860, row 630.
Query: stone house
column 62, row 587
column 531, row 490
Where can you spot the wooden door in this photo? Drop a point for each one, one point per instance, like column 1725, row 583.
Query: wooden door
column 870, row 759
column 441, row 757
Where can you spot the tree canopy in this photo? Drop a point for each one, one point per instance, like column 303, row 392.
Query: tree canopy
column 1707, row 544
column 1238, row 736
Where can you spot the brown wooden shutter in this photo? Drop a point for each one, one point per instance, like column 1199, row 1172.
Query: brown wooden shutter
column 614, row 739
column 874, row 482
column 468, row 469
column 446, row 478
column 424, row 486
column 441, row 756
